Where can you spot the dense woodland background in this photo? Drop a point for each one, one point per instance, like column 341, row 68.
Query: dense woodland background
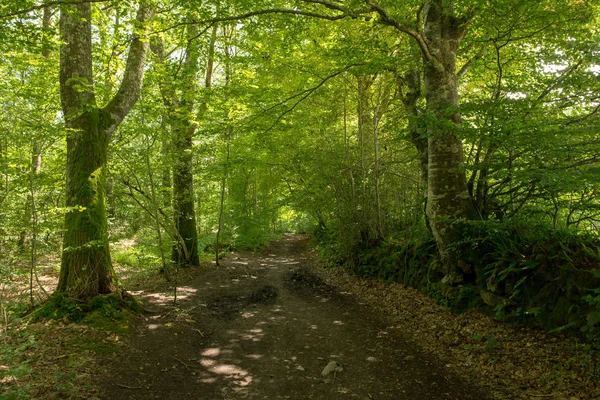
column 450, row 145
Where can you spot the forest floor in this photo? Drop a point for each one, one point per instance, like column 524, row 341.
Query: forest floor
column 266, row 324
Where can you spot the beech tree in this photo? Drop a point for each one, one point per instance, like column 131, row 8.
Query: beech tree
column 86, row 268
column 180, row 93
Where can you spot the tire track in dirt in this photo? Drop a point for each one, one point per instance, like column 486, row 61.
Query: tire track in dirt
column 262, row 326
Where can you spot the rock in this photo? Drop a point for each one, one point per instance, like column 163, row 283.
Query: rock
column 300, row 368
column 333, row 366
column 492, row 299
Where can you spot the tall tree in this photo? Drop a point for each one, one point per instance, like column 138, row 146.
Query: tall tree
column 86, row 268
column 438, row 34
column 179, row 90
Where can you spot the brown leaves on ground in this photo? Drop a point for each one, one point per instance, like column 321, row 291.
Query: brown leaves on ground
column 52, row 360
column 512, row 362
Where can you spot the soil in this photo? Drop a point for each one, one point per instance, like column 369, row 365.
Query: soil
column 265, row 326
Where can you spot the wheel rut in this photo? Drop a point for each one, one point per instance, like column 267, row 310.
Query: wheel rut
column 263, row 326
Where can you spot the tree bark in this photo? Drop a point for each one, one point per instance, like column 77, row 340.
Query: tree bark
column 410, row 97
column 178, row 98
column 86, row 268
column 363, row 214
column 448, row 197
column 185, row 251
column 438, row 34
column 226, row 134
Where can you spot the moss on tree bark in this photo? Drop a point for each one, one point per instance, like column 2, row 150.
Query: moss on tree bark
column 185, row 250
column 86, row 268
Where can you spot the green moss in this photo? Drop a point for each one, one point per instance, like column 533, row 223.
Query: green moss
column 110, row 312
column 94, row 344
column 60, row 307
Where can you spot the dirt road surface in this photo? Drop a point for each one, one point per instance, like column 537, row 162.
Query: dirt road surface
column 262, row 326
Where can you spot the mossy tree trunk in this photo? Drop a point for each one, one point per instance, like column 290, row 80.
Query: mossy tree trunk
column 438, row 34
column 410, row 98
column 185, row 250
column 86, row 268
column 410, row 88
column 448, row 199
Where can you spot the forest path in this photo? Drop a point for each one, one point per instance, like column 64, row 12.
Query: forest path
column 262, row 326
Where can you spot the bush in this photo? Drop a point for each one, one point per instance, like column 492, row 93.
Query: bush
column 539, row 273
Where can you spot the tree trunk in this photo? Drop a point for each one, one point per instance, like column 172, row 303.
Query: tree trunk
column 363, row 213
column 183, row 129
column 86, row 269
column 185, row 251
column 227, row 133
column 448, row 197
column 410, row 98
column 383, row 100
column 178, row 98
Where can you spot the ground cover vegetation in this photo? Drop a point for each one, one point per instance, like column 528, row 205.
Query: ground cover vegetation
column 452, row 146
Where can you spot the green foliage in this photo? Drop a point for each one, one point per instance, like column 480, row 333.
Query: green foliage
column 305, row 129
column 139, row 256
column 591, row 328
column 534, row 274
column 541, row 274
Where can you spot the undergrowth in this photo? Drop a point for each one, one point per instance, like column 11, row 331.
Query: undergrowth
column 521, row 272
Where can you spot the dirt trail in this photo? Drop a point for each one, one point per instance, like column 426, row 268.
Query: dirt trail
column 262, row 326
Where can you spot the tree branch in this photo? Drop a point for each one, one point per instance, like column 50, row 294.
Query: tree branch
column 303, row 96
column 385, row 19
column 581, row 119
column 46, row 4
column 329, row 4
column 133, row 76
column 251, row 14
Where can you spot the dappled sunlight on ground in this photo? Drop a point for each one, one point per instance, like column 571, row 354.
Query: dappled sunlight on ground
column 158, row 299
column 185, row 292
column 258, row 327
column 222, row 365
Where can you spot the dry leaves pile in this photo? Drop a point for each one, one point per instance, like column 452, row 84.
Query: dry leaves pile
column 511, row 362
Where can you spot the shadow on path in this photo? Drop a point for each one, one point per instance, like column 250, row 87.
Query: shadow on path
column 263, row 326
